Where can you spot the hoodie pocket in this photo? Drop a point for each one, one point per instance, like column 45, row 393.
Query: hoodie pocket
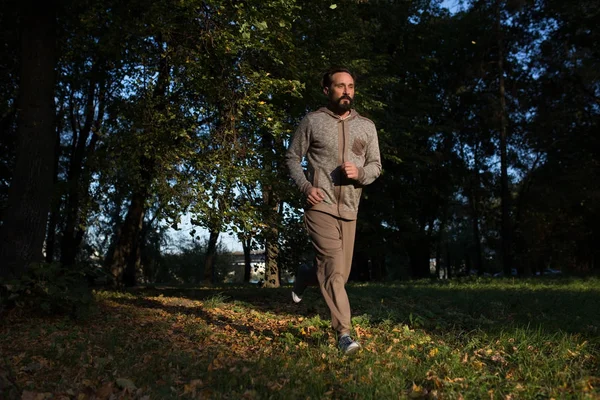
column 358, row 147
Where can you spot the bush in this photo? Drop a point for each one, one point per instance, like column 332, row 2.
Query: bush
column 49, row 289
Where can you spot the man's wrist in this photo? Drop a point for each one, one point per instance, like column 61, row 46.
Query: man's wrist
column 361, row 174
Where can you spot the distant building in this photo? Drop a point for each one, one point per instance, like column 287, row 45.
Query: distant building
column 257, row 271
column 257, row 265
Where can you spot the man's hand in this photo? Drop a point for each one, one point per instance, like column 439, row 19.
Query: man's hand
column 350, row 170
column 315, row 196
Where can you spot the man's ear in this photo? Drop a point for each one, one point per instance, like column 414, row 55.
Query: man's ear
column 326, row 91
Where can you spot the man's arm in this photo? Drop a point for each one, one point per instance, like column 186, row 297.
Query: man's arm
column 372, row 168
column 296, row 151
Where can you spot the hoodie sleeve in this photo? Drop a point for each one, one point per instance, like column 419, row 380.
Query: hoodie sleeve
column 297, row 150
column 372, row 168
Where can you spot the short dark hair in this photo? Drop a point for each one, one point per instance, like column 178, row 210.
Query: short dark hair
column 327, row 77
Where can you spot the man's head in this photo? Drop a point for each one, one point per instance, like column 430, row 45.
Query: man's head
column 338, row 86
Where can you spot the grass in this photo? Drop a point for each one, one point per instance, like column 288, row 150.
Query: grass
column 472, row 339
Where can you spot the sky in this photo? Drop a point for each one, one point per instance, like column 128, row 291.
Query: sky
column 452, row 5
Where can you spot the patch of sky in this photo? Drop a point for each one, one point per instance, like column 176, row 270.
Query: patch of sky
column 454, row 6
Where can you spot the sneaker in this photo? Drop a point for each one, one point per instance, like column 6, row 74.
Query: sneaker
column 347, row 345
column 296, row 298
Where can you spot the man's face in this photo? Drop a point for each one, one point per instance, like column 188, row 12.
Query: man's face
column 341, row 91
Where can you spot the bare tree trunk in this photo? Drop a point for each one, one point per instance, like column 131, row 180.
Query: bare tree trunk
column 211, row 253
column 24, row 226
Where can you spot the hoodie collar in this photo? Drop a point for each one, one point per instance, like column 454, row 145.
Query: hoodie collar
column 326, row 110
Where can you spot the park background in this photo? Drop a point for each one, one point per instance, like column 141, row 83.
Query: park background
column 141, row 142
column 122, row 122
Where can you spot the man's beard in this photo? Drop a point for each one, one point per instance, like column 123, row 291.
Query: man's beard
column 344, row 106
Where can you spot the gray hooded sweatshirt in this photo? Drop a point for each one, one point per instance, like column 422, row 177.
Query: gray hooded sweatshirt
column 328, row 141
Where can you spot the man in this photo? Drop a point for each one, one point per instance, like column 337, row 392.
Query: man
column 342, row 154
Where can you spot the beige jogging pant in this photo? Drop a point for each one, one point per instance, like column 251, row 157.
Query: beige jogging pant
column 333, row 241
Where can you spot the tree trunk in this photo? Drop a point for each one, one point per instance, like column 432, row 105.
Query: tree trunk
column 125, row 258
column 78, row 181
column 505, row 194
column 247, row 259
column 123, row 261
column 55, row 204
column 24, row 226
column 474, row 207
column 211, row 253
column 378, row 271
column 439, row 263
column 271, row 243
column 419, row 258
column 449, row 261
column 271, row 254
column 272, row 209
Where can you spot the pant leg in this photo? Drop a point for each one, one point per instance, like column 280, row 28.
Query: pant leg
column 305, row 276
column 333, row 241
column 348, row 235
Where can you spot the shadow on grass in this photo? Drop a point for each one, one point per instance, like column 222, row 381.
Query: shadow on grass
column 182, row 303
column 552, row 305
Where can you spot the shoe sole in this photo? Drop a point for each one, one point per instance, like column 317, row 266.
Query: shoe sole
column 352, row 350
column 295, row 298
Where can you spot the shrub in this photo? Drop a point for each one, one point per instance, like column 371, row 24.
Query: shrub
column 49, row 289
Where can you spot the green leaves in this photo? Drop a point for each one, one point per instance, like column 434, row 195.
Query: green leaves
column 263, row 25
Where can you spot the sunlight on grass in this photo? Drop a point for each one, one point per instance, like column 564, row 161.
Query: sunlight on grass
column 218, row 300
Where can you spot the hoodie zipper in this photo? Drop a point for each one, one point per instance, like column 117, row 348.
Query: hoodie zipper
column 342, row 158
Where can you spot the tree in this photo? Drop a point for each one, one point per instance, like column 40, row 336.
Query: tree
column 24, row 222
column 558, row 224
column 9, row 65
column 415, row 140
column 91, row 71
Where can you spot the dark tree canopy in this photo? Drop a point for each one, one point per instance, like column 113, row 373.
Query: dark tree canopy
column 121, row 120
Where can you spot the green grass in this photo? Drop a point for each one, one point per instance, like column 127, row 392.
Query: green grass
column 471, row 339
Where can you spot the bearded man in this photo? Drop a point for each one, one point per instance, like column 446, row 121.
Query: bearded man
column 342, row 156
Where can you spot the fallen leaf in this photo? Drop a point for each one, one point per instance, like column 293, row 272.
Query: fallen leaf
column 27, row 395
column 105, row 391
column 124, row 383
column 191, row 387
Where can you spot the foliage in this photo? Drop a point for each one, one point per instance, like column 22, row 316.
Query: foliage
column 51, row 289
column 188, row 106
column 185, row 264
column 472, row 338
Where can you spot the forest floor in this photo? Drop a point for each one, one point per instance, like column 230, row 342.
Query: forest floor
column 472, row 339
